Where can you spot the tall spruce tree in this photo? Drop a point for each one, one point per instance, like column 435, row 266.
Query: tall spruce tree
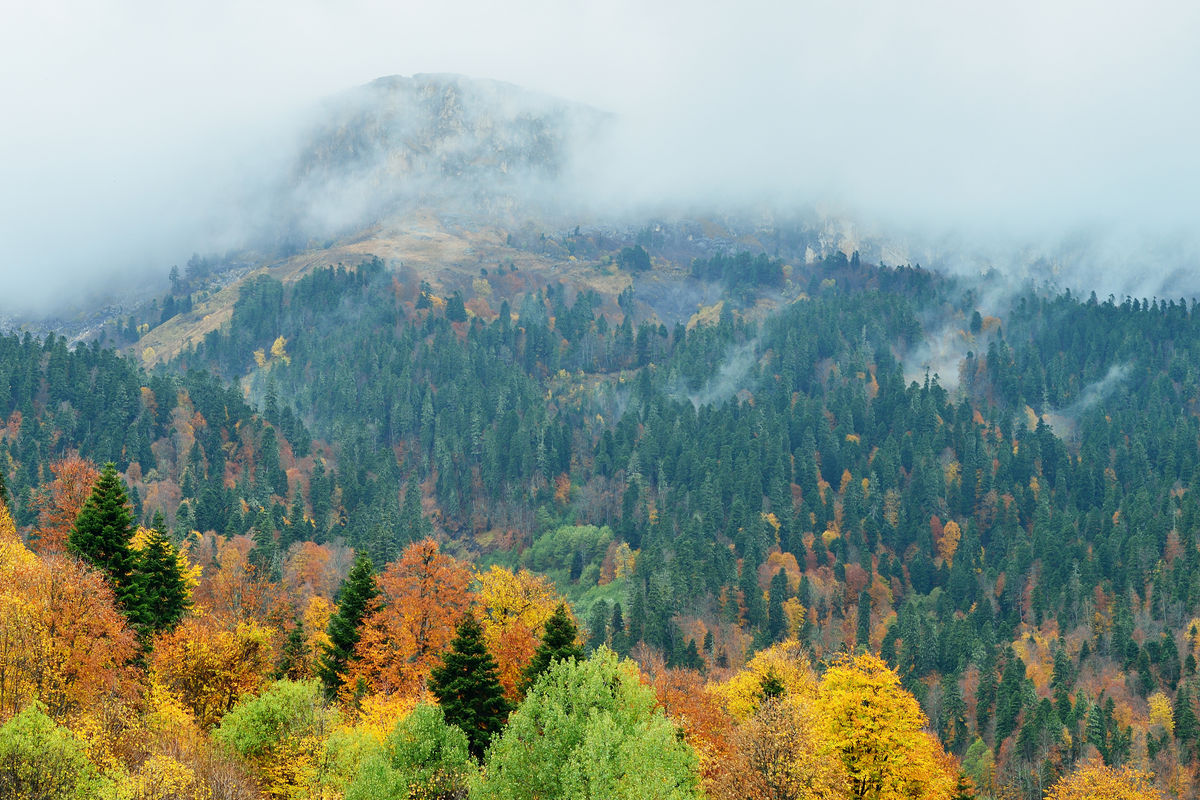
column 559, row 642
column 358, row 590
column 101, row 536
column 467, row 687
column 293, row 659
column 162, row 590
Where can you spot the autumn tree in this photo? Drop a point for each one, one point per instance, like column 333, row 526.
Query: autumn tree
column 354, row 598
column 781, row 670
column 60, row 501
column 411, row 622
column 467, row 687
column 63, row 643
column 514, row 606
column 1096, row 781
column 777, row 754
column 700, row 716
column 560, row 641
column 209, row 668
column 874, row 727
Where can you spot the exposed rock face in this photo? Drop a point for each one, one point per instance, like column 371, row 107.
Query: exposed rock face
column 434, row 141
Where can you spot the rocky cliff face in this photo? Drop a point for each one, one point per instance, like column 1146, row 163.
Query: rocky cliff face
column 432, row 141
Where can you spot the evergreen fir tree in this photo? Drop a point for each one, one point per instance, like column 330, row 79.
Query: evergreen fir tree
column 358, row 590
column 617, row 633
column 777, row 625
column 102, row 533
column 863, row 635
column 413, row 524
column 4, row 498
column 162, row 590
column 558, row 643
column 598, row 624
column 1187, row 727
column 294, row 657
column 467, row 687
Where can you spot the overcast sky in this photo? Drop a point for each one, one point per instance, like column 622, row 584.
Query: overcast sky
column 126, row 123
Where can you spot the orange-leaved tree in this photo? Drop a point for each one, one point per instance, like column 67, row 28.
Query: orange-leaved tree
column 875, row 727
column 209, row 664
column 63, row 642
column 700, row 716
column 423, row 595
column 60, row 501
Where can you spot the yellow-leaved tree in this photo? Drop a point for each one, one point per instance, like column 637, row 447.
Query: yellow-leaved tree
column 875, row 727
column 514, row 608
column 777, row 755
column 1095, row 781
column 782, row 670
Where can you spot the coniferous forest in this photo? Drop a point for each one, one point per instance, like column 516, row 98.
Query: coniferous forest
column 521, row 538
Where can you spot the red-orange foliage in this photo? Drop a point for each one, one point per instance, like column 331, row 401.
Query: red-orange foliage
column 698, row 714
column 423, row 597
column 209, row 664
column 60, row 501
column 62, row 641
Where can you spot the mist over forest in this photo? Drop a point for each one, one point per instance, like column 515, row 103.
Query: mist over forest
column 678, row 401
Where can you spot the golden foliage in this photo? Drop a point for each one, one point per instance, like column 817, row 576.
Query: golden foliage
column 63, row 642
column 279, row 350
column 1161, row 712
column 947, row 545
column 1095, row 781
column 514, row 608
column 162, row 777
column 875, row 727
column 784, row 662
column 208, row 667
column 378, row 714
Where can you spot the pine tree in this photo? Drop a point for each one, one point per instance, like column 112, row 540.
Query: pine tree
column 294, row 657
column 4, row 490
column 777, row 624
column 162, row 590
column 358, row 590
column 558, row 643
column 467, row 687
column 102, row 533
column 863, row 635
column 617, row 633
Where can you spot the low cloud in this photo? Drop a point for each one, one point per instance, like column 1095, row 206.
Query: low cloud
column 962, row 135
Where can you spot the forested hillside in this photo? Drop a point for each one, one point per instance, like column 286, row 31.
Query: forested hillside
column 769, row 509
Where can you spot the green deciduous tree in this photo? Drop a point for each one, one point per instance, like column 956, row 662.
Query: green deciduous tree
column 589, row 729
column 422, row 757
column 40, row 760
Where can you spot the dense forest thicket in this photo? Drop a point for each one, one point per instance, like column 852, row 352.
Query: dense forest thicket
column 770, row 512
